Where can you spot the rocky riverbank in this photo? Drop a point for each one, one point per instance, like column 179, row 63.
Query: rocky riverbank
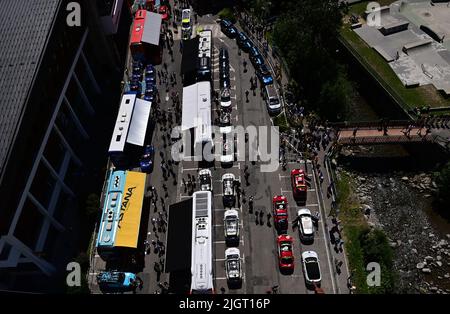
column 399, row 203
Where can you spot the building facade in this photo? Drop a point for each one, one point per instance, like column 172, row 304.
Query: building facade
column 58, row 84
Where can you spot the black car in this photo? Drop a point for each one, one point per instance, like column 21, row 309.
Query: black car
column 244, row 42
column 224, row 78
column 228, row 28
column 224, row 66
column 257, row 60
column 223, row 54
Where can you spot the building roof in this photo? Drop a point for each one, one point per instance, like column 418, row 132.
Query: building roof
column 24, row 28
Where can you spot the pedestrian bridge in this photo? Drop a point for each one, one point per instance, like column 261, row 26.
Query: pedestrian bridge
column 393, row 135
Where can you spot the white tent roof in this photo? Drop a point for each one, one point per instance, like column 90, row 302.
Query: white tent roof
column 197, row 106
column 138, row 126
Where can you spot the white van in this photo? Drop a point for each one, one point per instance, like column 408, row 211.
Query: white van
column 272, row 100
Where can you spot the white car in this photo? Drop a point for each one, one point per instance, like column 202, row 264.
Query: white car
column 228, row 189
column 231, row 224
column 204, row 177
column 311, row 267
column 233, row 266
column 225, row 99
column 227, row 156
column 305, row 225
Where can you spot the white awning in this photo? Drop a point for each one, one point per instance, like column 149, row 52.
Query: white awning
column 138, row 127
column 122, row 124
column 196, row 106
column 152, row 28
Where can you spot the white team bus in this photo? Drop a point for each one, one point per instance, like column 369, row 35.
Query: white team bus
column 201, row 255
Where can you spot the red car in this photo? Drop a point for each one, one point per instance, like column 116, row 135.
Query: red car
column 280, row 213
column 164, row 11
column 298, row 182
column 285, row 253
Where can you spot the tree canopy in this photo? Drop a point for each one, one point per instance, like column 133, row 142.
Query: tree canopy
column 306, row 33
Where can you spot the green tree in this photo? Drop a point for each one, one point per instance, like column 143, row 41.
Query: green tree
column 306, row 35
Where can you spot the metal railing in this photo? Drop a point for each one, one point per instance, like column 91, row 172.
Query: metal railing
column 372, row 140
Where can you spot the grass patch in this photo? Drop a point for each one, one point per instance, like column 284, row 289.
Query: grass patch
column 281, row 122
column 227, row 13
column 363, row 245
column 409, row 97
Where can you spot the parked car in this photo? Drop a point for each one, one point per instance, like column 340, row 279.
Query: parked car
column 264, row 75
column 280, row 213
column 285, row 253
column 150, row 70
column 305, row 225
column 257, row 60
column 233, row 267
column 224, row 79
column 231, row 225
column 204, row 177
column 229, row 190
column 244, row 42
column 272, row 101
column 223, row 54
column 228, row 28
column 146, row 162
column 311, row 268
column 114, row 281
column 298, row 182
column 227, row 156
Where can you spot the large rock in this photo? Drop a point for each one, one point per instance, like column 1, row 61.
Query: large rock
column 439, row 263
column 429, row 259
column 420, row 265
column 426, row 270
column 405, row 178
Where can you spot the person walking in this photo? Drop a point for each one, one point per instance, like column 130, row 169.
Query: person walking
column 246, row 95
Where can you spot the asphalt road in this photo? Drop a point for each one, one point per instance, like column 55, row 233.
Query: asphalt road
column 258, row 236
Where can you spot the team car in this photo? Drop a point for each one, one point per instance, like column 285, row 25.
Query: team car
column 229, row 191
column 231, row 225
column 146, row 162
column 280, row 213
column 305, row 225
column 311, row 268
column 233, row 267
column 204, row 177
column 298, row 182
column 285, row 253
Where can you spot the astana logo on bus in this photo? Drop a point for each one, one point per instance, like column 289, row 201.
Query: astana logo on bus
column 124, row 206
column 202, row 147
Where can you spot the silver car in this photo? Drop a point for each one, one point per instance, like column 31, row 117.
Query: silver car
column 311, row 267
column 233, row 266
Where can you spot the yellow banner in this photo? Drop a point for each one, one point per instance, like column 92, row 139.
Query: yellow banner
column 130, row 210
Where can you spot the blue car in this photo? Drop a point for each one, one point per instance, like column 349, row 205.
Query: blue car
column 150, row 80
column 243, row 42
column 254, row 51
column 264, row 75
column 149, row 98
column 228, row 28
column 117, row 281
column 150, row 70
column 135, row 85
column 257, row 60
column 146, row 162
